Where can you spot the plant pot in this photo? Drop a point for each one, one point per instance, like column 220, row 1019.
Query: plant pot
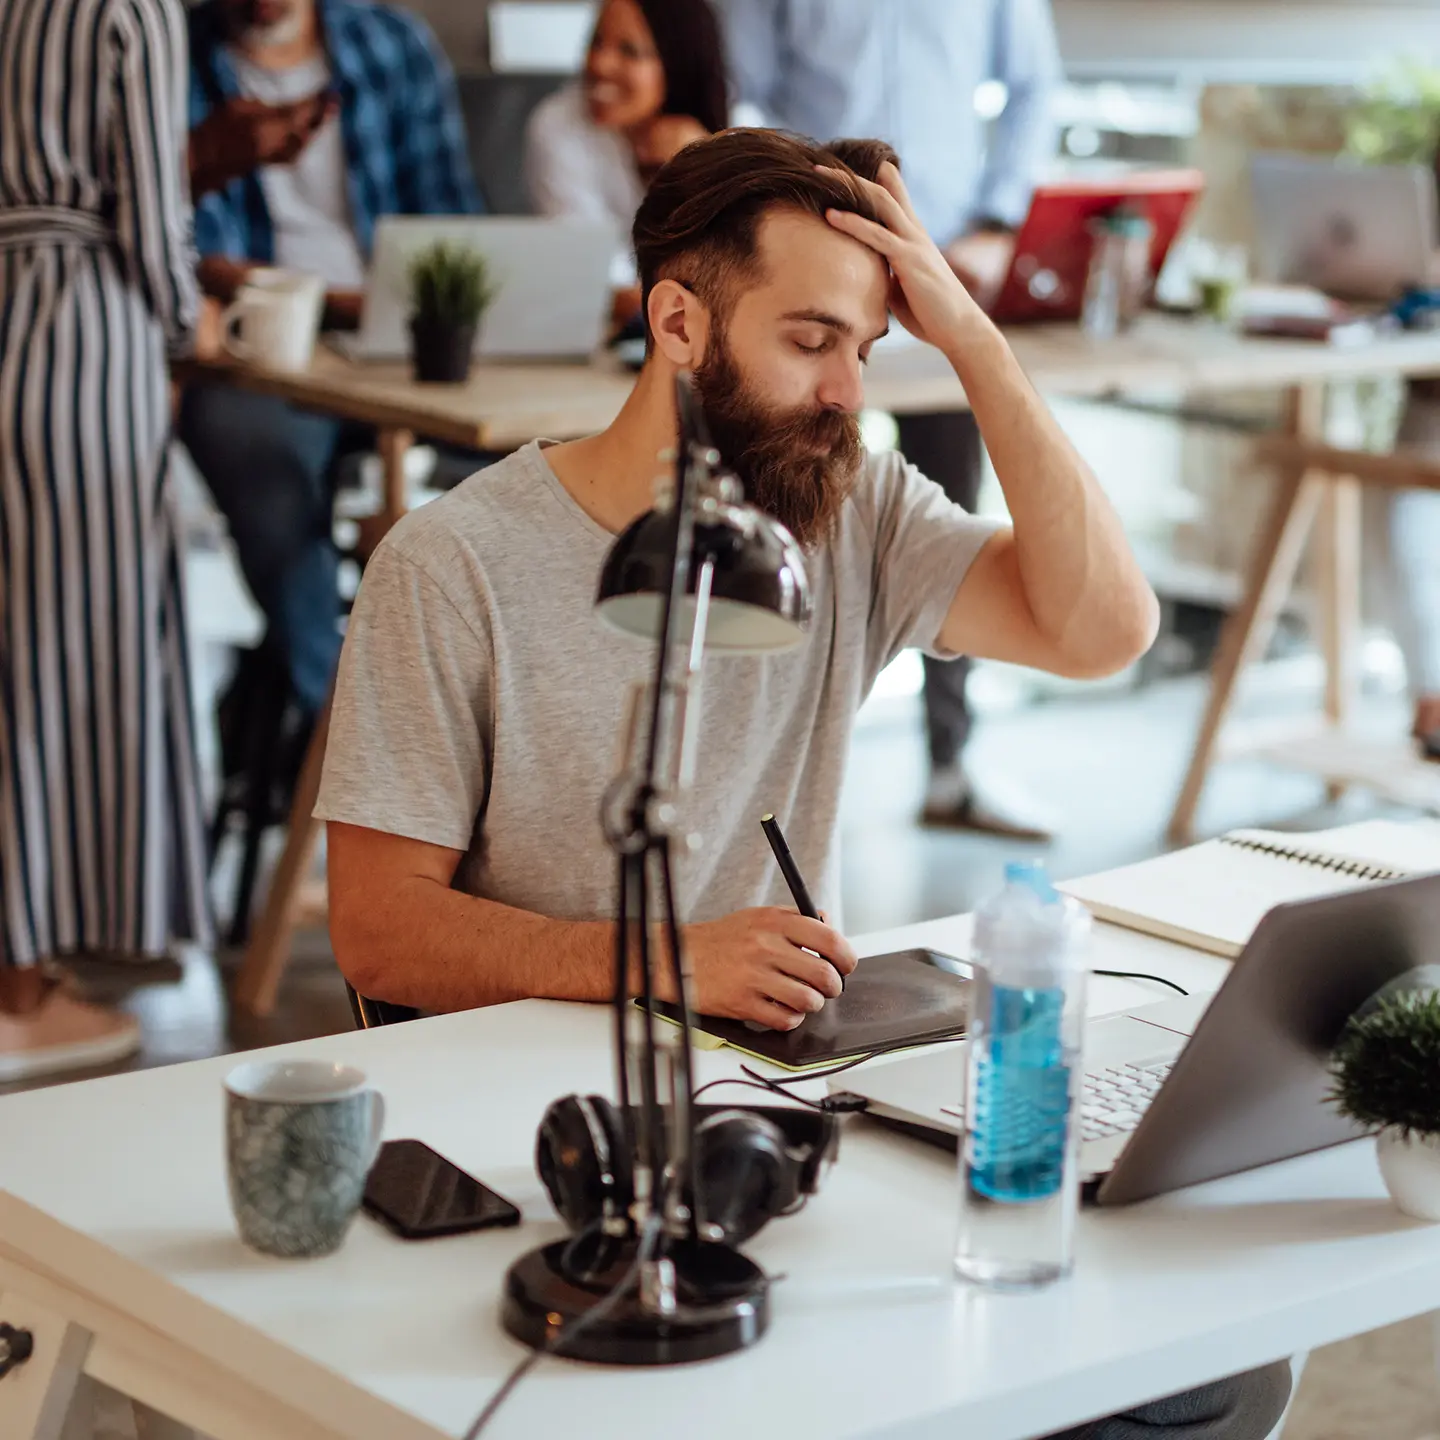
column 1411, row 1167
column 441, row 351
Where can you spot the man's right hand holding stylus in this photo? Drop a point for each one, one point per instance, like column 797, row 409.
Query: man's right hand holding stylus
column 757, row 965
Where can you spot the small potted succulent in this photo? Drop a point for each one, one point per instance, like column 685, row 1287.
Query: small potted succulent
column 1386, row 1071
column 450, row 289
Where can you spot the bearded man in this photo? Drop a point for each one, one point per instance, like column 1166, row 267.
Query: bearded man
column 479, row 694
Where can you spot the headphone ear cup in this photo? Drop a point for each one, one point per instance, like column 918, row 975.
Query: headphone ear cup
column 583, row 1160
column 745, row 1171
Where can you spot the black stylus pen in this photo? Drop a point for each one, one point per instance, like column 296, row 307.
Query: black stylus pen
column 791, row 871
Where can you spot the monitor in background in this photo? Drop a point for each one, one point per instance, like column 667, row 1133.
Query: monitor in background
column 553, row 276
column 526, row 37
column 1355, row 231
column 1052, row 248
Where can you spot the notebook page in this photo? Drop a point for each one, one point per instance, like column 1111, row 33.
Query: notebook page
column 1211, row 896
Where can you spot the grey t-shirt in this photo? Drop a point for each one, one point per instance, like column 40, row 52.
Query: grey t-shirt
column 480, row 696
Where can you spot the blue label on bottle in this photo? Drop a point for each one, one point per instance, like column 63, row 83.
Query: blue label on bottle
column 1020, row 1118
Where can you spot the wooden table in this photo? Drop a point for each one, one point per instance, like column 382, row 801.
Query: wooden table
column 117, row 1249
column 503, row 406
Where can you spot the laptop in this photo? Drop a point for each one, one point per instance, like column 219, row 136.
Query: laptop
column 553, row 301
column 1354, row 231
column 1048, row 269
column 1180, row 1092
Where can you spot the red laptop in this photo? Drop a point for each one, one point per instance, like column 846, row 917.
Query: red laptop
column 1052, row 249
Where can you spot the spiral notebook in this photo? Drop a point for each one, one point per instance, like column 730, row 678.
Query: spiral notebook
column 1213, row 895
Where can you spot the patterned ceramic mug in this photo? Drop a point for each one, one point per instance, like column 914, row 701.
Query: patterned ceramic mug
column 301, row 1136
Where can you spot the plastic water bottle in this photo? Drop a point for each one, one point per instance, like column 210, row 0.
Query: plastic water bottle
column 1019, row 1153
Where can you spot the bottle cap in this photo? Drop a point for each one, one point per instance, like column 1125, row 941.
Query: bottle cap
column 1031, row 874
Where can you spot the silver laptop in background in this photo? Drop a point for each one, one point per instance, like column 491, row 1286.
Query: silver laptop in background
column 553, row 301
column 1249, row 1085
column 1355, row 231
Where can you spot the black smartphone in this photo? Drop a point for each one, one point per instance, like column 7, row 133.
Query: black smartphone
column 419, row 1194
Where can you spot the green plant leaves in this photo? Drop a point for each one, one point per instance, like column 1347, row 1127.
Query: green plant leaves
column 1397, row 119
column 1386, row 1067
column 451, row 284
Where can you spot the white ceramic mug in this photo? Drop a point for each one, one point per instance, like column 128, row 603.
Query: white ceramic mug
column 274, row 319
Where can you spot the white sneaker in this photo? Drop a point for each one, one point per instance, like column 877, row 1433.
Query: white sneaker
column 63, row 1033
column 955, row 800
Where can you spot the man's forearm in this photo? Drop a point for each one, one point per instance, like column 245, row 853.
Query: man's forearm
column 1085, row 591
column 439, row 949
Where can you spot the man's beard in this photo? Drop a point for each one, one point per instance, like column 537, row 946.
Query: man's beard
column 797, row 465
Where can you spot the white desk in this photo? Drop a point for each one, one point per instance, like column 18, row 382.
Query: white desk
column 130, row 1241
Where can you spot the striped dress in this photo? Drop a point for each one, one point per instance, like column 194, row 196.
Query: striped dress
column 101, row 842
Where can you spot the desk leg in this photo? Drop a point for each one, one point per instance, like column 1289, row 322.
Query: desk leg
column 1272, row 572
column 1338, row 597
column 269, row 950
column 394, row 446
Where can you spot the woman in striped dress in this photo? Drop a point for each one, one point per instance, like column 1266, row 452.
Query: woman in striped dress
column 101, row 848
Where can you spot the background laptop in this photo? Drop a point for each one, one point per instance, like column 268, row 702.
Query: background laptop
column 1048, row 269
column 1249, row 1085
column 1355, row 231
column 554, row 279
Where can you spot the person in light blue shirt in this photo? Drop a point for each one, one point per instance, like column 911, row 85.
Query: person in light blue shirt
column 907, row 71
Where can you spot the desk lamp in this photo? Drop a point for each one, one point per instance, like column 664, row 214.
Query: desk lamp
column 657, row 1284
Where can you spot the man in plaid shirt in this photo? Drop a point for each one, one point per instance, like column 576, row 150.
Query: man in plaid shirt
column 335, row 112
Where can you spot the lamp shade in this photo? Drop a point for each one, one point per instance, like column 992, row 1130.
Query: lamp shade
column 759, row 594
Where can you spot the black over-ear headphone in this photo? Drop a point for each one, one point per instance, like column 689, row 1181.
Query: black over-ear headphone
column 753, row 1163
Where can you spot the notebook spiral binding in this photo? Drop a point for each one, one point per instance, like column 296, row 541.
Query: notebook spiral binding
column 1359, row 869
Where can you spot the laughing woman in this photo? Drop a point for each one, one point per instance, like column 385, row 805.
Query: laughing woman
column 654, row 81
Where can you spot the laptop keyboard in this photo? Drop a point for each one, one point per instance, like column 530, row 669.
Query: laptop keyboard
column 1113, row 1099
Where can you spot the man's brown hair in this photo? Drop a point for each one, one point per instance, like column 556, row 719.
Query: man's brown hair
column 700, row 222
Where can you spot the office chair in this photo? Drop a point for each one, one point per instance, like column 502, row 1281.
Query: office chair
column 369, row 1013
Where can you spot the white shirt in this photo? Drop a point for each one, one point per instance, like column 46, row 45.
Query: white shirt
column 574, row 167
column 307, row 199
column 906, row 71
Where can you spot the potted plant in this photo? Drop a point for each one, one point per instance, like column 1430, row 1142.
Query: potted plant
column 1386, row 1071
column 450, row 288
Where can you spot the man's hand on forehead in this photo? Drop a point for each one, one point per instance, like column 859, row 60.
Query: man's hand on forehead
column 926, row 296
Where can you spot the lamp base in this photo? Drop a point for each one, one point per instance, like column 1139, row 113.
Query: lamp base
column 722, row 1302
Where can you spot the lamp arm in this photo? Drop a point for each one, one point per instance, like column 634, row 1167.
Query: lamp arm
column 666, row 742
column 690, row 458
